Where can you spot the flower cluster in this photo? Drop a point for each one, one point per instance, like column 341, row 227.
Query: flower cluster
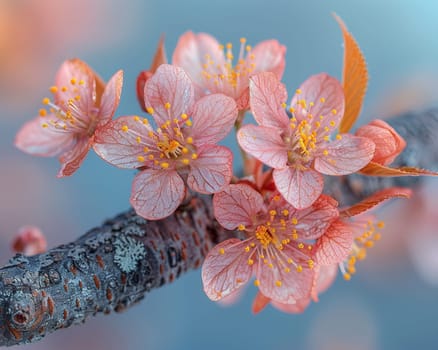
column 288, row 233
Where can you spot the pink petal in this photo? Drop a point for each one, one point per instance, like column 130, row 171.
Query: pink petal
column 267, row 95
column 226, row 268
column 325, row 276
column 389, row 144
column 30, row 241
column 121, row 148
column 294, row 285
column 110, row 98
column 34, row 139
column 264, row 143
column 237, row 204
column 191, row 51
column 335, row 245
column 213, row 118
column 345, row 156
column 172, row 85
column 78, row 70
column 157, row 193
column 314, row 220
column 269, row 56
column 243, row 100
column 299, row 187
column 72, row 159
column 312, row 90
column 299, row 307
column 212, row 171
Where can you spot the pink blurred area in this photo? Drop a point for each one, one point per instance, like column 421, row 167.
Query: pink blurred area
column 36, row 35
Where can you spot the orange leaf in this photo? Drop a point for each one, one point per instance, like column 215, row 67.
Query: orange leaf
column 354, row 78
column 376, row 198
column 376, row 169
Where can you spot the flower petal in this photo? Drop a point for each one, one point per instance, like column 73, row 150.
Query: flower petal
column 260, row 302
column 213, row 118
column 72, row 159
column 121, row 148
column 285, row 285
column 299, row 187
column 263, row 143
column 171, row 85
column 191, row 51
column 325, row 276
column 297, row 308
column 267, row 96
column 225, row 269
column 110, row 98
column 335, row 245
column 375, row 199
column 156, row 194
column 237, row 205
column 46, row 142
column 268, row 56
column 314, row 220
column 345, row 156
column 212, row 171
column 325, row 92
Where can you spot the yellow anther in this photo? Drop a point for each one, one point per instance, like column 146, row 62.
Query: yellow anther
column 250, row 262
column 42, row 112
column 298, row 91
column 77, row 97
column 229, row 46
column 81, row 82
column 145, row 121
column 164, row 165
column 241, row 227
column 291, row 109
column 286, row 269
column 270, row 265
column 53, row 89
column 311, row 104
column 189, row 140
column 247, row 249
column 167, row 105
column 332, row 123
column 283, row 105
column 184, row 116
column 150, row 110
column 278, row 283
column 290, row 261
column 256, row 283
column 347, row 276
column 351, row 270
column 299, row 268
column 145, row 149
column 338, row 137
column 185, row 150
column 242, row 40
column 151, row 156
column 125, row 128
column 276, row 198
column 64, row 89
column 189, row 123
column 326, row 138
column 45, row 125
column 294, row 221
column 221, row 251
column 73, row 81
column 194, row 156
column 140, row 159
column 300, row 245
column 380, row 224
column 46, row 101
column 334, row 111
column 369, row 244
column 317, row 124
column 325, row 152
column 322, row 100
column 272, row 212
column 138, row 139
column 136, row 118
column 185, row 161
column 285, row 212
column 377, row 236
column 252, row 244
column 295, row 236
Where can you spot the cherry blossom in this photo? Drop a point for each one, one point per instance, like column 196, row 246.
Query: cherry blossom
column 301, row 147
column 278, row 244
column 29, row 240
column 66, row 125
column 210, row 64
column 182, row 149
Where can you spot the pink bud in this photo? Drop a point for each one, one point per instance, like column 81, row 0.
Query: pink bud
column 30, row 241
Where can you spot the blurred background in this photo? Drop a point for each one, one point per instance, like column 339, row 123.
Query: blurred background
column 390, row 304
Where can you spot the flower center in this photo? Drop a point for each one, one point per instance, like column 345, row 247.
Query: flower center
column 66, row 110
column 170, row 148
column 222, row 76
column 264, row 235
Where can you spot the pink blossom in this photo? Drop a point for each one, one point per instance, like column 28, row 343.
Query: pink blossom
column 389, row 144
column 81, row 105
column 277, row 247
column 182, row 149
column 300, row 148
column 210, row 64
column 29, row 241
